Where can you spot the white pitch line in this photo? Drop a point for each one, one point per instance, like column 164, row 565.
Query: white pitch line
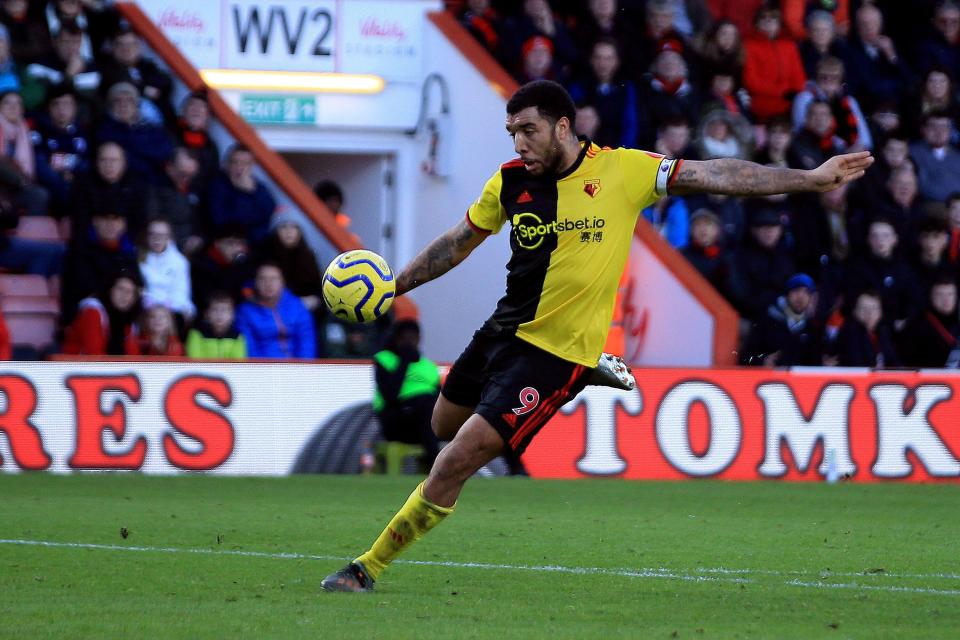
column 662, row 573
column 854, row 585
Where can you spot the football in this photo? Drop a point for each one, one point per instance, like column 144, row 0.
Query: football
column 358, row 286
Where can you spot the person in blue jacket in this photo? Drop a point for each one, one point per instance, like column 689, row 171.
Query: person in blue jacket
column 274, row 322
column 238, row 198
column 147, row 144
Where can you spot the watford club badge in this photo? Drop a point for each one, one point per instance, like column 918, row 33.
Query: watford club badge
column 592, row 187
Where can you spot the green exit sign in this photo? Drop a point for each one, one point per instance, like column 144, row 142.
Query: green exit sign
column 274, row 109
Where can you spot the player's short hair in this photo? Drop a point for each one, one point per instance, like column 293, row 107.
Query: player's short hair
column 550, row 98
column 953, row 197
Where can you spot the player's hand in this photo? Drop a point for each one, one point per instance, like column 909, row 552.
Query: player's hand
column 840, row 170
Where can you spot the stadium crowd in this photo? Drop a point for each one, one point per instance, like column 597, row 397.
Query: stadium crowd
column 860, row 276
column 163, row 248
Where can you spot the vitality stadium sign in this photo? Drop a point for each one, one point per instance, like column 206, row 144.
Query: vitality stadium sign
column 737, row 424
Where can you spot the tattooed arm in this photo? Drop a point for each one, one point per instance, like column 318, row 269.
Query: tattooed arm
column 441, row 255
column 741, row 178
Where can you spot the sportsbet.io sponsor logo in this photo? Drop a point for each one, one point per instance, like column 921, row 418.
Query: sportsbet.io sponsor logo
column 530, row 230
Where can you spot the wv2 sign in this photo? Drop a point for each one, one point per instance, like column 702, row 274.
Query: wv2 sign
column 299, row 36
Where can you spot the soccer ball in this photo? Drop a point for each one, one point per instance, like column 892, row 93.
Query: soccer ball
column 359, row 286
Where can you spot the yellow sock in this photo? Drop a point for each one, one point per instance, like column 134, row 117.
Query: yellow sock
column 415, row 518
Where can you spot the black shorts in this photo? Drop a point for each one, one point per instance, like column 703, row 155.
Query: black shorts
column 514, row 385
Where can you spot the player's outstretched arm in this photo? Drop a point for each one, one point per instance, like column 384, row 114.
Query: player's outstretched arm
column 741, row 178
column 441, row 255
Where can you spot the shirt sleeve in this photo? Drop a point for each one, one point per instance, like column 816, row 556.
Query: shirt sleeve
column 646, row 175
column 487, row 214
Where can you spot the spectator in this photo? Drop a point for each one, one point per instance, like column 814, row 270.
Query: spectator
column 126, row 63
column 193, row 133
column 723, row 94
column 778, row 143
column 238, row 198
column 65, row 64
column 94, row 257
column 61, row 148
column 822, row 41
column 613, row 97
column 224, row 266
column 587, row 121
column 762, row 266
column 953, row 221
column 724, row 135
column 106, row 323
column 536, row 58
column 894, row 153
column 796, row 16
column 484, row 24
column 159, row 333
column 23, row 255
column 29, row 37
column 147, row 145
column 407, row 386
column 216, row 336
column 722, row 50
column 177, row 199
column 673, row 139
column 933, row 335
column 660, row 34
column 538, row 19
column 773, row 73
column 690, row 17
column 938, row 163
column 938, row 95
column 665, row 94
column 900, row 204
column 330, row 193
column 275, row 323
column 820, row 231
column 930, row 260
column 166, row 273
column 816, row 142
column 883, row 271
column 93, row 18
column 875, row 71
column 9, row 76
column 109, row 187
column 851, row 125
column 864, row 339
column 604, row 20
column 671, row 218
column 286, row 248
column 941, row 48
column 705, row 250
column 786, row 336
column 18, row 158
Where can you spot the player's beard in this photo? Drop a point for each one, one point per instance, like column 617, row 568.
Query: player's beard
column 553, row 155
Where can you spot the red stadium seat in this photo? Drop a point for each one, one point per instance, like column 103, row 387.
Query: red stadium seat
column 39, row 228
column 32, row 319
column 24, row 285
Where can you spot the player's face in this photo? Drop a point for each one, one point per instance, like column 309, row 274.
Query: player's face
column 535, row 140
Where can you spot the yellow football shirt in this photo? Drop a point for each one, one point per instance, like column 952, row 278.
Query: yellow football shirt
column 570, row 237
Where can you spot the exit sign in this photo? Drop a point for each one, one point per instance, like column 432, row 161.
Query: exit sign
column 277, row 109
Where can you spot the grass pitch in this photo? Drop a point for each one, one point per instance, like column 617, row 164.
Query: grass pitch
column 209, row 557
